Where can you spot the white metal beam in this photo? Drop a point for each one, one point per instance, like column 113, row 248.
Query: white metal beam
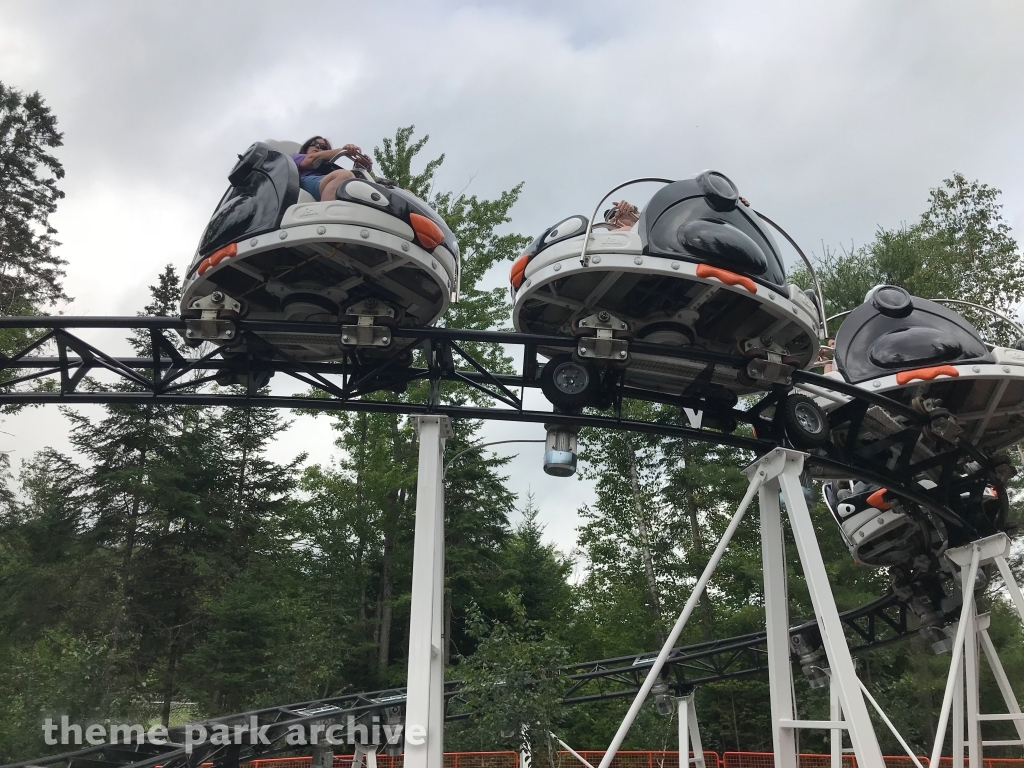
column 858, row 722
column 424, row 719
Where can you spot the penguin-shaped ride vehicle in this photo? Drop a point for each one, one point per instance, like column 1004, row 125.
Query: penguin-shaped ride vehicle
column 374, row 258
column 926, row 356
column 699, row 272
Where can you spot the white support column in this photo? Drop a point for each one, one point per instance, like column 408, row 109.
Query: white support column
column 689, row 733
column 835, row 714
column 776, row 609
column 858, row 722
column 696, row 743
column 958, row 720
column 1011, row 584
column 425, row 699
column 683, row 712
column 968, row 559
column 972, row 682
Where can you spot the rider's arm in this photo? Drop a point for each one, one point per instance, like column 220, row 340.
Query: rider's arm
column 312, row 159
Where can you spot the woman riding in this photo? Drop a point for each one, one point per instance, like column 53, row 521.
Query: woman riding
column 310, row 159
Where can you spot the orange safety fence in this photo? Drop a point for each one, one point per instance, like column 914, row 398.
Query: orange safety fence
column 628, row 759
column 767, row 760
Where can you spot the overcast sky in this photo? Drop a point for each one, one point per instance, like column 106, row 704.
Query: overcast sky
column 833, row 118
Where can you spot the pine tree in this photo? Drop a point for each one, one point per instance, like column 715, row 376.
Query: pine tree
column 538, row 572
column 30, row 272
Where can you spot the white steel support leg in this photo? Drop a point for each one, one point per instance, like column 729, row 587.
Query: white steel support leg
column 786, row 481
column 972, row 683
column 835, row 713
column 958, row 720
column 689, row 733
column 424, row 714
column 999, row 673
column 683, row 711
column 780, row 668
column 972, row 553
column 1011, row 584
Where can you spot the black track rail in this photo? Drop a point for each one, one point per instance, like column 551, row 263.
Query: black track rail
column 55, row 362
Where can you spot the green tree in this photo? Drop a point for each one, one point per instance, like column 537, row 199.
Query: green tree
column 513, row 678
column 960, row 248
column 30, row 272
column 538, row 571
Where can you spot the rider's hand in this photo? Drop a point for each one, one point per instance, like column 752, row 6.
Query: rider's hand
column 625, row 213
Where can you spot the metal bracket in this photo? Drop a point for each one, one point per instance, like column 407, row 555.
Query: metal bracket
column 765, row 343
column 770, row 371
column 281, row 290
column 210, row 326
column 366, row 332
column 989, row 548
column 602, row 345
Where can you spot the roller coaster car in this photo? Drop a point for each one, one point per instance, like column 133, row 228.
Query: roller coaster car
column 700, row 270
column 927, row 356
column 882, row 529
column 374, row 258
column 877, row 531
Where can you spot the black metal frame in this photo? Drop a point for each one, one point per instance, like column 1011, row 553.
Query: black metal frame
column 168, row 377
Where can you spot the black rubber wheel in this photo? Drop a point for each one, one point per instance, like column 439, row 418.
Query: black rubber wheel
column 569, row 385
column 806, row 424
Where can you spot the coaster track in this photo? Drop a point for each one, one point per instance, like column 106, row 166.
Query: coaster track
column 879, row 623
column 449, row 357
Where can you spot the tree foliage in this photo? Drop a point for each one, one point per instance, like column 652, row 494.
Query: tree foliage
column 30, row 271
column 961, row 248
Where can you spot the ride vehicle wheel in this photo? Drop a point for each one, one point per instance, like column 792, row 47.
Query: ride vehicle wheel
column 806, row 424
column 569, row 385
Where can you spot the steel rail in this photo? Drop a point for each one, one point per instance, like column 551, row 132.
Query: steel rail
column 169, row 385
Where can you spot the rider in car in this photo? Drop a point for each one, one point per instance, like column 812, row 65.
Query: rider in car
column 310, row 159
column 621, row 216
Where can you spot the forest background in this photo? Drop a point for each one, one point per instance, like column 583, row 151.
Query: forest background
column 172, row 571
